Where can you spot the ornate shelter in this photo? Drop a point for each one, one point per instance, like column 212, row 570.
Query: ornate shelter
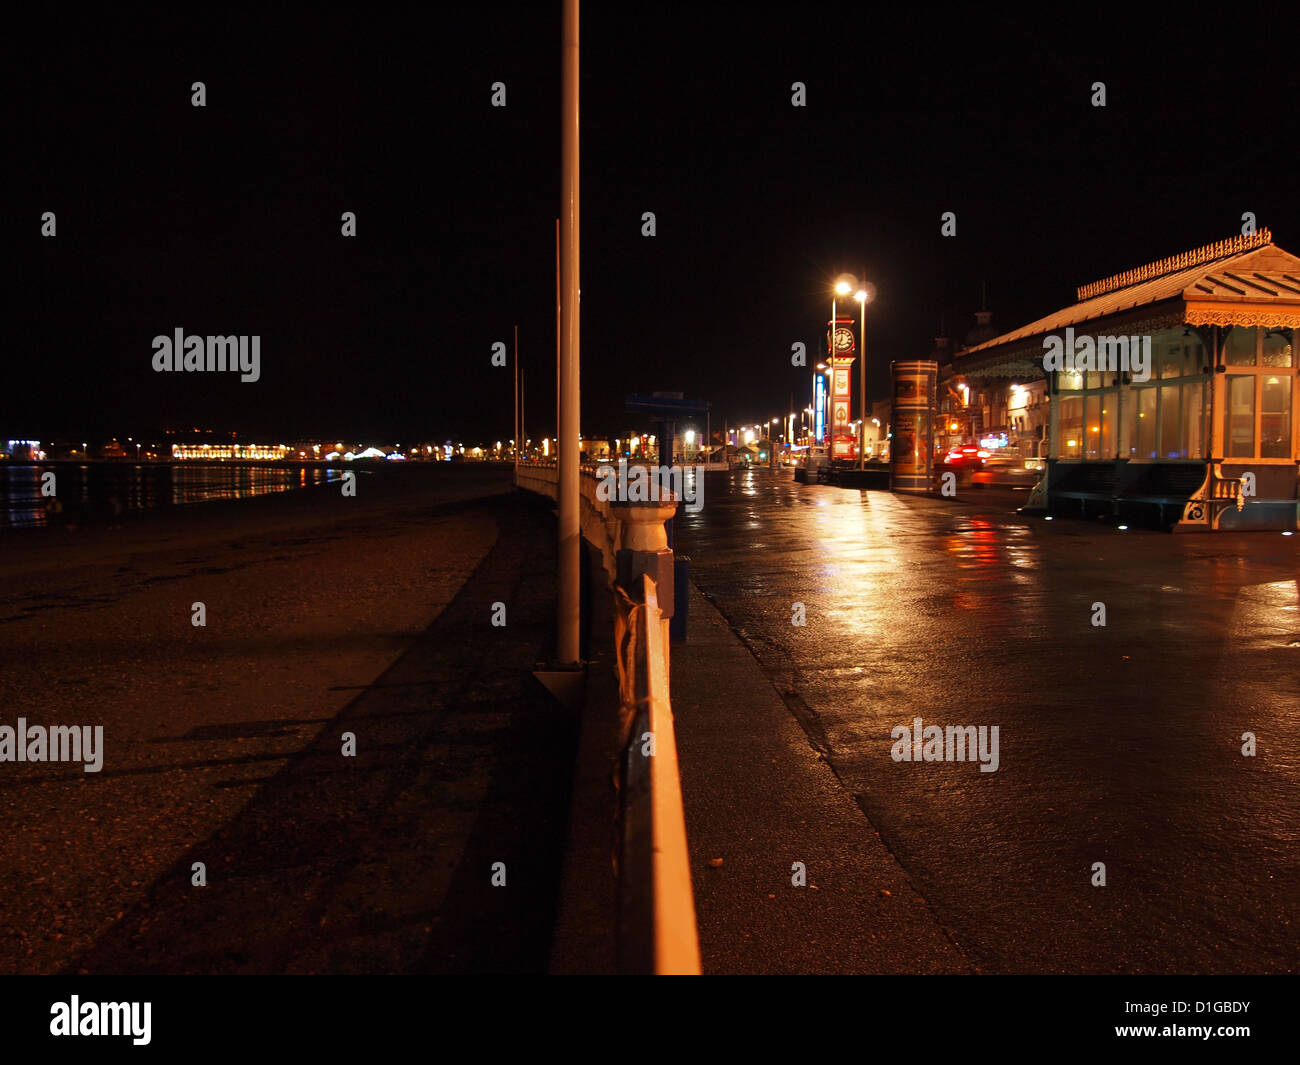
column 1194, row 418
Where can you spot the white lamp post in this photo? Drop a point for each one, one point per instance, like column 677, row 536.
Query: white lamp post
column 864, row 295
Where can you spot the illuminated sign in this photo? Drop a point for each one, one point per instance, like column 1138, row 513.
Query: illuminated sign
column 819, row 407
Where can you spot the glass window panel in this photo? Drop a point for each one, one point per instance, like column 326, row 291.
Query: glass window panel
column 1171, row 360
column 1093, row 379
column 1070, row 381
column 1279, row 348
column 1091, row 427
column 1275, row 418
column 1241, row 345
column 1193, row 357
column 1239, row 417
column 1193, row 420
column 1108, row 425
column 1071, row 428
column 1146, row 424
column 1169, row 424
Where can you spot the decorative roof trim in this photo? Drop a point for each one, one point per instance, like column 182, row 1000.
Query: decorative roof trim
column 1209, row 253
column 1246, row 316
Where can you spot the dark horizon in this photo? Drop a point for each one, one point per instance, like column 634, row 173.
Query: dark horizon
column 226, row 219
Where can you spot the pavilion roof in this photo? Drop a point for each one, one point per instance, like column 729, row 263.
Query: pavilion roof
column 1240, row 281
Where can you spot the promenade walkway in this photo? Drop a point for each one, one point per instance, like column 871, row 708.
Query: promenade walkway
column 384, row 862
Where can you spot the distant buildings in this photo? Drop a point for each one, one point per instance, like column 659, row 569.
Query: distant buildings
column 217, row 452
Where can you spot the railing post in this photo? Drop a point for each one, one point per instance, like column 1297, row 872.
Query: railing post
column 644, row 547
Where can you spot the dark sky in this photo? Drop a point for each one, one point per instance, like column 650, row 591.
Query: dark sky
column 226, row 219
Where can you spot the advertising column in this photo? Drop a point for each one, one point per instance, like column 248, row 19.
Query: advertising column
column 911, row 452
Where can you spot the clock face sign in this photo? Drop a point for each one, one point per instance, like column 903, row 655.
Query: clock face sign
column 843, row 339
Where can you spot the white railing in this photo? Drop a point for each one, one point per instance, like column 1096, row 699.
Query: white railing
column 658, row 931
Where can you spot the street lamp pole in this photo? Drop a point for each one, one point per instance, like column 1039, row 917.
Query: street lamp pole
column 567, row 643
column 862, row 378
column 863, row 296
column 830, row 355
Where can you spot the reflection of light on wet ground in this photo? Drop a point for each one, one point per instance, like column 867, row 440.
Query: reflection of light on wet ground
column 1270, row 607
column 1131, row 732
column 975, row 547
column 854, row 548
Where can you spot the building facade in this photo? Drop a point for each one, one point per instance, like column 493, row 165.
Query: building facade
column 1169, row 389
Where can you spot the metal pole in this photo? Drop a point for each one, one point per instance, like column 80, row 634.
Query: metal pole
column 862, row 358
column 516, row 404
column 567, row 647
column 830, row 380
column 557, row 340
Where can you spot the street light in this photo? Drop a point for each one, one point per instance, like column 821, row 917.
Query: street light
column 843, row 285
column 864, row 295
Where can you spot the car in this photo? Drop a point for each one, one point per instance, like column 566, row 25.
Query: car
column 965, row 457
column 1008, row 470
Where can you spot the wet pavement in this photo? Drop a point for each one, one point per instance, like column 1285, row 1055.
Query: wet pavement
column 1118, row 744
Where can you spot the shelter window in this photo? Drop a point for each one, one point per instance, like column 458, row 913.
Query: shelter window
column 1170, row 428
column 1071, row 427
column 1142, row 424
column 1239, row 417
column 1275, row 418
column 1260, row 395
column 1241, row 346
column 1092, row 427
column 1278, row 348
column 1195, row 414
column 1171, row 360
column 1108, row 441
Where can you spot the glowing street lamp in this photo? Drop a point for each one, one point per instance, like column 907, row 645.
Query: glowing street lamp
column 844, row 285
column 864, row 295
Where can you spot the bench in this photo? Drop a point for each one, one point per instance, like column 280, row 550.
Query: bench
column 1163, row 485
column 1085, row 481
column 1219, row 494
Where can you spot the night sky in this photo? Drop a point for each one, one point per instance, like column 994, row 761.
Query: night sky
column 226, row 219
